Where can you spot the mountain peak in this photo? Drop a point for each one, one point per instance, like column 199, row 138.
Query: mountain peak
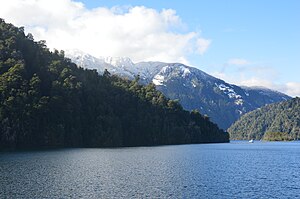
column 195, row 89
column 118, row 61
column 114, row 61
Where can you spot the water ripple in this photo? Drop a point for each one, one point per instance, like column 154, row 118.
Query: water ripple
column 236, row 170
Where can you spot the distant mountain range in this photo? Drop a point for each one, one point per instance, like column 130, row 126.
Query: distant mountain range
column 224, row 103
column 281, row 117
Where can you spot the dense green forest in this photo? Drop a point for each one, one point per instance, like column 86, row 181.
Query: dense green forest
column 282, row 118
column 47, row 101
column 277, row 136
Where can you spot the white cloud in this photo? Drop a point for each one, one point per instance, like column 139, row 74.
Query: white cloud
column 245, row 73
column 293, row 88
column 289, row 88
column 238, row 62
column 202, row 45
column 257, row 82
column 220, row 75
column 137, row 32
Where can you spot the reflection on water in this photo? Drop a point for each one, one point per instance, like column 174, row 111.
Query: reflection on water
column 235, row 170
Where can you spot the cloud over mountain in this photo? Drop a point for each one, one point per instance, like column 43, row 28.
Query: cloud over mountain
column 137, row 32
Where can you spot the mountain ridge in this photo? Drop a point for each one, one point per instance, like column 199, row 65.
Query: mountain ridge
column 48, row 101
column 280, row 117
column 224, row 103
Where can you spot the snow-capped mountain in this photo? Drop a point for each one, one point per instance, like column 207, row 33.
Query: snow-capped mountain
column 224, row 103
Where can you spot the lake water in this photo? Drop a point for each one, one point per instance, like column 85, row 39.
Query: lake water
column 235, row 170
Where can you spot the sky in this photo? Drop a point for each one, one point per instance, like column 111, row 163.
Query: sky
column 244, row 42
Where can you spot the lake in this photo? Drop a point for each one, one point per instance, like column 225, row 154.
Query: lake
column 235, row 170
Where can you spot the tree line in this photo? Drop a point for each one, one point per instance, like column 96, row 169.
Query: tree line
column 282, row 118
column 48, row 101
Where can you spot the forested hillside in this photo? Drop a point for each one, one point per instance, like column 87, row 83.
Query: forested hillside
column 278, row 119
column 224, row 103
column 47, row 101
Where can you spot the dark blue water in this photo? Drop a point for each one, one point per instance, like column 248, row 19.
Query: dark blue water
column 235, row 170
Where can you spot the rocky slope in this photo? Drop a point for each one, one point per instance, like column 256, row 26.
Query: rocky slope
column 224, row 103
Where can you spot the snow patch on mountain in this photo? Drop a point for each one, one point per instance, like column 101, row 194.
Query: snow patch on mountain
column 239, row 102
column 123, row 62
column 231, row 93
column 194, row 85
column 158, row 80
column 228, row 91
column 194, row 88
column 186, row 71
column 240, row 112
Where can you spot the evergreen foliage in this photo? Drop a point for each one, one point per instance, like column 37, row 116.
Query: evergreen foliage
column 283, row 117
column 276, row 136
column 47, row 101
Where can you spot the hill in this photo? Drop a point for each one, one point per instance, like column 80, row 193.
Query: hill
column 47, row 101
column 224, row 103
column 275, row 119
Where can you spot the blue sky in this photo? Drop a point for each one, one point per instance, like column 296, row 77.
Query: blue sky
column 266, row 33
column 245, row 42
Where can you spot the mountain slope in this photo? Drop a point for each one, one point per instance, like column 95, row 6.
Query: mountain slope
column 47, row 101
column 224, row 103
column 281, row 117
